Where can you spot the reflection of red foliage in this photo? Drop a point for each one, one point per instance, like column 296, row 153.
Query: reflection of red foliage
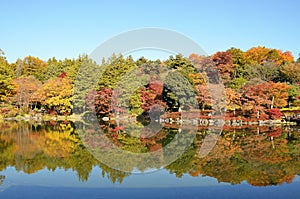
column 118, row 128
column 155, row 147
column 52, row 123
column 115, row 136
column 275, row 113
column 143, row 138
column 288, row 179
column 275, row 133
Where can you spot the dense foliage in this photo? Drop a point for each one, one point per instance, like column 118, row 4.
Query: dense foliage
column 255, row 81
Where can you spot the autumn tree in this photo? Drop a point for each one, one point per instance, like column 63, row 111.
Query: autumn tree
column 233, row 99
column 152, row 96
column 262, row 55
column 56, row 95
column 204, row 96
column 278, row 94
column 102, row 102
column 25, row 90
column 224, row 63
column 259, row 97
column 255, row 98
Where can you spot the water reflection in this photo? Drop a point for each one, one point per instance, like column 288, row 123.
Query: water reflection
column 261, row 156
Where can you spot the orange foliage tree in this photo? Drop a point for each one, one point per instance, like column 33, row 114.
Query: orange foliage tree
column 25, row 89
column 261, row 55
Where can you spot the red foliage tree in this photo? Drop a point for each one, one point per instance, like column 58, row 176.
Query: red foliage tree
column 152, row 95
column 62, row 75
column 224, row 63
column 255, row 98
column 103, row 101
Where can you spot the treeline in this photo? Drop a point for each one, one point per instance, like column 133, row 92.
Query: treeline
column 258, row 82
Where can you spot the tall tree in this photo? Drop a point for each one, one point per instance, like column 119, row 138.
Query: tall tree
column 7, row 88
column 116, row 68
column 224, row 63
column 33, row 66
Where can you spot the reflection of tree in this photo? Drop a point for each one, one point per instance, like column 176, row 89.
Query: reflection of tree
column 112, row 174
column 245, row 156
column 31, row 149
column 185, row 163
column 260, row 156
column 2, row 178
column 7, row 150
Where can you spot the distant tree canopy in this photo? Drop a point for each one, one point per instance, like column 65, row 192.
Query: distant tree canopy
column 257, row 79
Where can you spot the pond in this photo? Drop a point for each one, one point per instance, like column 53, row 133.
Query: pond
column 77, row 160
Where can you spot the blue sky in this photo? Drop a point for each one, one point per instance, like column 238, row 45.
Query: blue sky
column 69, row 28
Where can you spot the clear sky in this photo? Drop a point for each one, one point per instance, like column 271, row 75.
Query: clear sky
column 67, row 28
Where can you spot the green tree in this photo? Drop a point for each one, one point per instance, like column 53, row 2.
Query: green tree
column 54, row 69
column 266, row 72
column 238, row 57
column 182, row 65
column 291, row 72
column 72, row 67
column 7, row 88
column 237, row 83
column 84, row 85
column 33, row 66
column 293, row 95
column 115, row 69
column 179, row 92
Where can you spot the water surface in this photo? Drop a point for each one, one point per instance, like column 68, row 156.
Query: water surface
column 54, row 160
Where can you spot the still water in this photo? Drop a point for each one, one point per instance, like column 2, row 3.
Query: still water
column 63, row 160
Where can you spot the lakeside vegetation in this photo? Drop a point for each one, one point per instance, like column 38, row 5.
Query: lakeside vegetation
column 258, row 83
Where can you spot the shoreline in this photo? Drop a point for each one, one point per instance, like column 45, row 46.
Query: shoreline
column 200, row 121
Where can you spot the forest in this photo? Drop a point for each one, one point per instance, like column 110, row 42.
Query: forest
column 258, row 83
